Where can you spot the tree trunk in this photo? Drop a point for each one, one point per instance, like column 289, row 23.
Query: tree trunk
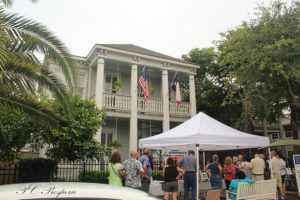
column 295, row 126
column 265, row 127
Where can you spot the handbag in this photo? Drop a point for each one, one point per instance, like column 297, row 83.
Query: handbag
column 162, row 185
column 123, row 178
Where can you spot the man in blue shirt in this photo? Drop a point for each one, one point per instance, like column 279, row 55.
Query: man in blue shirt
column 240, row 177
column 146, row 176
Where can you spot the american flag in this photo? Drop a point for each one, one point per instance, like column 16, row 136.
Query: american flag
column 144, row 83
column 176, row 88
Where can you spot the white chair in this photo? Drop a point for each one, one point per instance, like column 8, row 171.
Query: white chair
column 258, row 190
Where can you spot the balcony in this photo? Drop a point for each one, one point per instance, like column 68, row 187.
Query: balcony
column 122, row 103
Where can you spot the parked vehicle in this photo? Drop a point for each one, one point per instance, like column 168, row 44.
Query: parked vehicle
column 69, row 191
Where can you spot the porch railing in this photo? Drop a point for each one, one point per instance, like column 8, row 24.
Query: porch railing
column 122, row 103
column 153, row 106
column 184, row 109
column 117, row 102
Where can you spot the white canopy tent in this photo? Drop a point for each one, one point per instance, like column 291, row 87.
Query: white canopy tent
column 208, row 133
column 205, row 133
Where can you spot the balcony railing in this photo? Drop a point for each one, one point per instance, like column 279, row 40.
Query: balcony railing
column 122, row 103
column 117, row 102
column 184, row 109
column 152, row 106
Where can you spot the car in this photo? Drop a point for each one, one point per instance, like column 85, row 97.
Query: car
column 70, row 191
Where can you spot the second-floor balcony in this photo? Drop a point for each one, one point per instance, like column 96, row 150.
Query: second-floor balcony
column 122, row 103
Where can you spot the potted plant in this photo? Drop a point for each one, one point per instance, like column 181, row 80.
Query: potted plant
column 115, row 144
column 118, row 85
column 151, row 89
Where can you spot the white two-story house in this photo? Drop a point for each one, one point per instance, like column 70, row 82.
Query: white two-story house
column 109, row 74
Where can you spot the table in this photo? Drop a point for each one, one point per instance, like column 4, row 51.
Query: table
column 155, row 187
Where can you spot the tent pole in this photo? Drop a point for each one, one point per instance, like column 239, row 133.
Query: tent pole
column 203, row 160
column 287, row 157
column 164, row 156
column 197, row 172
column 270, row 164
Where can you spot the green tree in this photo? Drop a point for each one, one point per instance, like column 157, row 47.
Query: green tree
column 262, row 59
column 209, row 83
column 74, row 139
column 16, row 131
column 21, row 73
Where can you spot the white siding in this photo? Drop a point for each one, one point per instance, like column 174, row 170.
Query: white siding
column 121, row 132
column 125, row 79
column 156, row 83
column 82, row 82
column 123, row 137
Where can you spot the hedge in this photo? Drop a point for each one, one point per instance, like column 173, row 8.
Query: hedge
column 36, row 170
column 94, row 176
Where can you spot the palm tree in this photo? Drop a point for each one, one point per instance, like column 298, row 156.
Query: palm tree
column 22, row 75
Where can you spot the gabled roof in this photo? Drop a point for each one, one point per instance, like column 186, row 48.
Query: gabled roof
column 141, row 50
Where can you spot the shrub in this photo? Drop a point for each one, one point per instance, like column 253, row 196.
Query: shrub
column 94, row 176
column 157, row 175
column 36, row 170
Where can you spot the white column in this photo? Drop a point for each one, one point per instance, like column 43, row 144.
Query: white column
column 192, row 95
column 99, row 90
column 133, row 136
column 99, row 83
column 165, row 96
column 89, row 82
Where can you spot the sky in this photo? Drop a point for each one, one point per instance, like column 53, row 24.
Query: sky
column 172, row 27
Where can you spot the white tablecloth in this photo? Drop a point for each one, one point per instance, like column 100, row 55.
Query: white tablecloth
column 155, row 187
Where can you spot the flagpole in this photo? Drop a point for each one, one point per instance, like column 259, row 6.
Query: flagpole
column 172, row 80
column 139, row 76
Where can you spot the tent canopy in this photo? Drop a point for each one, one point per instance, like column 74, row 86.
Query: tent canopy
column 289, row 142
column 208, row 133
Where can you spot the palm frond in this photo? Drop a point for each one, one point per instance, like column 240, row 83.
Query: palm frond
column 33, row 36
column 3, row 41
column 40, row 78
column 22, row 74
column 36, row 110
column 7, row 3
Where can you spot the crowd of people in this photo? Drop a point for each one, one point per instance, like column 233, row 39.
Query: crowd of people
column 136, row 172
column 236, row 169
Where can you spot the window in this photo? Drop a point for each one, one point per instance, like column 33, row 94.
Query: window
column 81, row 85
column 106, row 138
column 275, row 136
column 110, row 81
column 289, row 134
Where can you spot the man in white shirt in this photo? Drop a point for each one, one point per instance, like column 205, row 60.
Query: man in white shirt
column 276, row 171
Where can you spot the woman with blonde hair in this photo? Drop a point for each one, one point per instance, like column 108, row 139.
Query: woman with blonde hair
column 215, row 169
column 229, row 171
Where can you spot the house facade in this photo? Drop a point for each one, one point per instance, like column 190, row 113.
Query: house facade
column 277, row 131
column 109, row 75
